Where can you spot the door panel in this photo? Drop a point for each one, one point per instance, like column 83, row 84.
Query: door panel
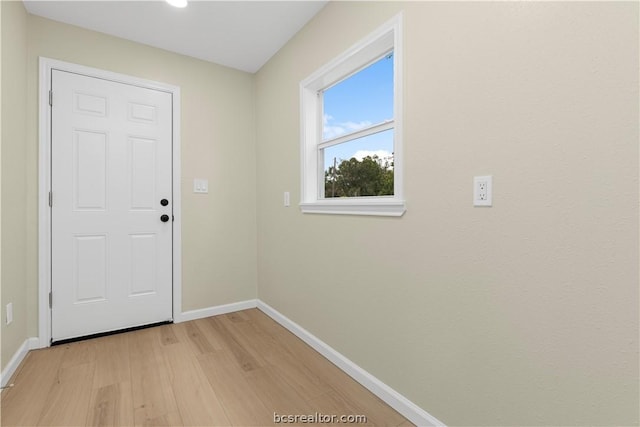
column 90, row 275
column 142, row 155
column 142, row 113
column 111, row 166
column 86, row 103
column 89, row 170
column 143, row 264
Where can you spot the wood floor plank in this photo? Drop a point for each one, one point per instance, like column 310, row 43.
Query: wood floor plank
column 112, row 360
column 243, row 357
column 210, row 334
column 197, row 338
column 171, row 419
column 237, row 316
column 291, row 367
column 111, row 405
column 333, row 404
column 78, row 353
column 301, row 379
column 23, row 403
column 361, row 401
column 167, row 334
column 239, row 400
column 275, row 394
column 197, row 402
column 67, row 402
column 253, row 341
column 265, row 322
column 153, row 397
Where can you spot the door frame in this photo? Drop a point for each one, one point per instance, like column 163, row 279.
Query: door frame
column 46, row 65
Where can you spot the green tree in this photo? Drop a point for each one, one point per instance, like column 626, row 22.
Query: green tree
column 353, row 178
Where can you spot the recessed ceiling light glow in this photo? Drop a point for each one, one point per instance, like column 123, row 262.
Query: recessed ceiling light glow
column 177, row 3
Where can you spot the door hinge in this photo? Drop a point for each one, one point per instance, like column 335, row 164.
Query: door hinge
column 50, row 199
column 51, row 98
column 50, row 299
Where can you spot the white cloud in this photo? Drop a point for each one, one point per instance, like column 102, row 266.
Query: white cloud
column 353, row 126
column 333, row 130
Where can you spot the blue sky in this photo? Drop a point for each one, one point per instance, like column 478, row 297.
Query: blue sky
column 363, row 99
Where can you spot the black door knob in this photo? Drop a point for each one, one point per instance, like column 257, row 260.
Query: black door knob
column 164, row 202
column 164, row 218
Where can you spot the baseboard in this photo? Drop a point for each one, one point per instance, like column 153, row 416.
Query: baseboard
column 18, row 357
column 217, row 310
column 408, row 409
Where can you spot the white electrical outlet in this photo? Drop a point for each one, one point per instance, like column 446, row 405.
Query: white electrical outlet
column 287, row 198
column 483, row 190
column 9, row 313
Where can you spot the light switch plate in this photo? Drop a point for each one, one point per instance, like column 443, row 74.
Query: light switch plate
column 200, row 185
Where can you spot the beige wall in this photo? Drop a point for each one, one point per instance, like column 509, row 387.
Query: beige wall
column 14, row 188
column 218, row 140
column 525, row 313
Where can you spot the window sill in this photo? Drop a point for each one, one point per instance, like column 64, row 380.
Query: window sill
column 374, row 207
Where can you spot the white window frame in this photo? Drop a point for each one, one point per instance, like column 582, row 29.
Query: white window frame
column 386, row 38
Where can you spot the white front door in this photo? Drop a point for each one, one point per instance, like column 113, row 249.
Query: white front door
column 111, row 166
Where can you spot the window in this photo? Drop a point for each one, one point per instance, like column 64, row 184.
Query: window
column 351, row 135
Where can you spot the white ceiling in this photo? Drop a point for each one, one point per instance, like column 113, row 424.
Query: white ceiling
column 238, row 34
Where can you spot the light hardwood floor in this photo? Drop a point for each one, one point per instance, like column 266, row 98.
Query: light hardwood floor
column 235, row 369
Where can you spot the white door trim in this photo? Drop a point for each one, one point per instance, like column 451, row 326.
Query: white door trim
column 44, row 181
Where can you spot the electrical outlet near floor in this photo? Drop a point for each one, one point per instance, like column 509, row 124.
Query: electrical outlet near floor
column 482, row 190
